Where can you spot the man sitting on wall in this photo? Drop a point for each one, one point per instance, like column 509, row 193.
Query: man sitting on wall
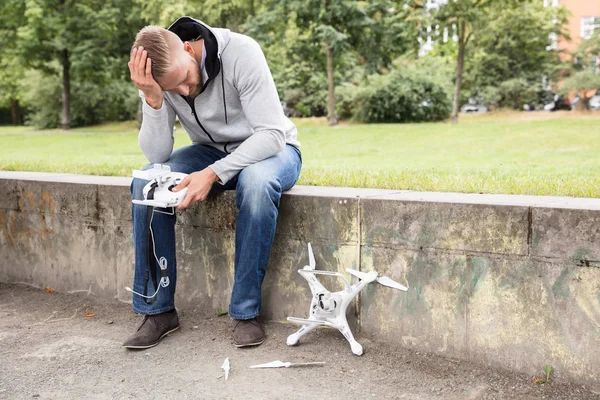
column 219, row 85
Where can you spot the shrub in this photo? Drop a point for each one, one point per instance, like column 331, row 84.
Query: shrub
column 346, row 97
column 43, row 97
column 402, row 96
column 490, row 96
column 515, row 93
column 309, row 100
column 91, row 103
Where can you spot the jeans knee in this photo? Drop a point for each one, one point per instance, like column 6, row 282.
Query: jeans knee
column 257, row 190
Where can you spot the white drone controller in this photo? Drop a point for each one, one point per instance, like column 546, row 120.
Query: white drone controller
column 328, row 308
column 158, row 192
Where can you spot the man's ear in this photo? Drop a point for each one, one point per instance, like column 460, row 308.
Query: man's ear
column 188, row 48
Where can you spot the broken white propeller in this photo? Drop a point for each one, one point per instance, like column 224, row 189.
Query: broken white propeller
column 281, row 364
column 226, row 367
column 311, row 259
column 384, row 280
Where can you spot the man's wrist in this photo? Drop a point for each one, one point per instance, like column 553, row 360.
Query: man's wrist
column 213, row 174
column 155, row 103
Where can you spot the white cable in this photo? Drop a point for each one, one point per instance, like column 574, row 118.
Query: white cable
column 162, row 262
column 167, row 213
column 141, row 295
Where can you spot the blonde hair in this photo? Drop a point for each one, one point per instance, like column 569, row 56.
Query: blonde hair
column 155, row 41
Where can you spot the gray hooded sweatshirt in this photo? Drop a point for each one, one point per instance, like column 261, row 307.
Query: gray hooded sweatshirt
column 237, row 112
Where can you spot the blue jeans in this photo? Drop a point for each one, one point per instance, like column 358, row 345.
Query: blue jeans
column 258, row 191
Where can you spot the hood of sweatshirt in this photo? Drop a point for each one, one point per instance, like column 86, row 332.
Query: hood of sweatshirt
column 189, row 29
column 215, row 41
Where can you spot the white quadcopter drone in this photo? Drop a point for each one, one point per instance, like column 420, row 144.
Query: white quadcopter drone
column 328, row 308
column 158, row 192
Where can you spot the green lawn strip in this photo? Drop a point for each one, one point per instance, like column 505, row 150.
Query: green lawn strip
column 495, row 153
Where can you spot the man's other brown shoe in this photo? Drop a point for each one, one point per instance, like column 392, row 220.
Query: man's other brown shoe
column 248, row 333
column 152, row 330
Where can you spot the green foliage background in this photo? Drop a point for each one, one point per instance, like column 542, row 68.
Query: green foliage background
column 379, row 74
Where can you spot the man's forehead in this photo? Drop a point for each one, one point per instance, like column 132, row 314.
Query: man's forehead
column 174, row 77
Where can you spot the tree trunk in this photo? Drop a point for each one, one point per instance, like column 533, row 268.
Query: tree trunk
column 331, row 113
column 15, row 111
column 66, row 95
column 459, row 70
column 252, row 10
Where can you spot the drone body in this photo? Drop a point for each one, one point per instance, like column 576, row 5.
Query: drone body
column 327, row 308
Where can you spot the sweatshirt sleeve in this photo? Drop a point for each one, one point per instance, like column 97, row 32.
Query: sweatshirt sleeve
column 262, row 108
column 156, row 133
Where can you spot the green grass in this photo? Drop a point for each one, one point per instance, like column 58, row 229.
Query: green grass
column 513, row 153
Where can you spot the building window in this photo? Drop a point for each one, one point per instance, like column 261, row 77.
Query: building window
column 553, row 41
column 588, row 25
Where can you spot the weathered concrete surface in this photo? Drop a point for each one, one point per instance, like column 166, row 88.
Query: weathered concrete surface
column 463, row 227
column 582, row 244
column 512, row 281
column 521, row 313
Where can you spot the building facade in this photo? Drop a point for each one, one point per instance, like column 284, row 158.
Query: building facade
column 585, row 17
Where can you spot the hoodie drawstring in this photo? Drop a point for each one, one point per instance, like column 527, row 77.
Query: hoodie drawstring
column 223, row 87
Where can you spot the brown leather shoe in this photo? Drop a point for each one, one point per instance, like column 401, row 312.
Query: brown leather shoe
column 152, row 330
column 248, row 333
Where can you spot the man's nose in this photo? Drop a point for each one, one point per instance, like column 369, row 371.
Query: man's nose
column 185, row 90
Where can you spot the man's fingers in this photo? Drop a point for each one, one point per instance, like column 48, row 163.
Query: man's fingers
column 148, row 68
column 142, row 62
column 182, row 184
column 186, row 202
column 136, row 57
column 137, row 54
column 131, row 63
column 132, row 56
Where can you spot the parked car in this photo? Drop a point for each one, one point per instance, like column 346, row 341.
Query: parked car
column 594, row 102
column 558, row 103
column 550, row 101
column 474, row 106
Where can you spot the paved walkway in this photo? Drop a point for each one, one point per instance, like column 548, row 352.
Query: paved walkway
column 50, row 349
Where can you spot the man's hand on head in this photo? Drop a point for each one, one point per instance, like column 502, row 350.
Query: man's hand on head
column 198, row 184
column 140, row 68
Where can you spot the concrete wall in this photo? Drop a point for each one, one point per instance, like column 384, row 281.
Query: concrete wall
column 513, row 281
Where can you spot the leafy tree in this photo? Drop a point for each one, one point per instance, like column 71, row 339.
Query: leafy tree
column 230, row 14
column 333, row 32
column 516, row 47
column 11, row 71
column 87, row 38
column 468, row 18
column 337, row 25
